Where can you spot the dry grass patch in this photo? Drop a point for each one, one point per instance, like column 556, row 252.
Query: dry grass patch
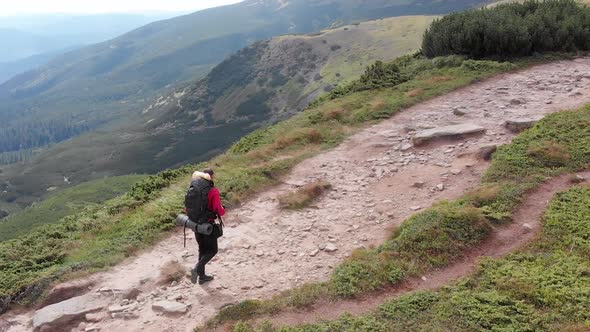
column 303, row 196
column 334, row 114
column 484, row 195
column 439, row 79
column 414, row 93
column 378, row 104
column 171, row 271
column 550, row 153
column 306, row 135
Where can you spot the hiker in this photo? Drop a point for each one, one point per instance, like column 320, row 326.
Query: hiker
column 203, row 205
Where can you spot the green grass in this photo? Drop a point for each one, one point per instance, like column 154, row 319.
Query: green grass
column 100, row 237
column 545, row 287
column 438, row 236
column 65, row 202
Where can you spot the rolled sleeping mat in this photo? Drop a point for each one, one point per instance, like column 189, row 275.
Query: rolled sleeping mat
column 204, row 228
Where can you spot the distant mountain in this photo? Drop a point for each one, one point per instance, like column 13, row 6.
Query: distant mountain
column 20, row 44
column 30, row 35
column 263, row 83
column 104, row 83
column 107, row 89
column 10, row 69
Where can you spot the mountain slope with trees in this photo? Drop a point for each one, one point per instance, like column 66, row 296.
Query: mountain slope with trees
column 108, row 81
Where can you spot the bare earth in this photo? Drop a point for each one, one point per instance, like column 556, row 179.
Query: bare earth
column 267, row 250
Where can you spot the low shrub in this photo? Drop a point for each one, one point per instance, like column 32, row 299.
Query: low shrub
column 551, row 154
column 171, row 271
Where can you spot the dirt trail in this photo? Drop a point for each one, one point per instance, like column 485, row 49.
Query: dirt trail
column 266, row 250
column 503, row 241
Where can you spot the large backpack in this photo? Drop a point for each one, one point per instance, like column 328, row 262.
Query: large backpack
column 196, row 201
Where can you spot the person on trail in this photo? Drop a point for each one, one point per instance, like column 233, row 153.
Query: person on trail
column 203, row 205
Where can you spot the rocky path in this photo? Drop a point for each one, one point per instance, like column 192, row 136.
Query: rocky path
column 379, row 179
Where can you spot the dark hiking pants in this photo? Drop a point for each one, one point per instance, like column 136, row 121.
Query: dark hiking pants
column 207, row 250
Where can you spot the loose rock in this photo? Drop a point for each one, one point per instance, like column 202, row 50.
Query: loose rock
column 518, row 125
column 526, row 228
column 169, row 307
column 447, row 132
column 330, row 247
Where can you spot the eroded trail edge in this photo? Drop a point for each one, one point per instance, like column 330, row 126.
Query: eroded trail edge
column 503, row 240
column 379, row 179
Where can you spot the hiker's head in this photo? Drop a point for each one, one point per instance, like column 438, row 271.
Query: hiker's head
column 210, row 172
column 206, row 174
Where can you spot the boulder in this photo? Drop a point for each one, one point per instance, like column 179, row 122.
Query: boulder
column 447, row 132
column 169, row 307
column 60, row 314
column 518, row 125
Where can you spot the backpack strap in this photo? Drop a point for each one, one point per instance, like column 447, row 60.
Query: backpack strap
column 184, row 230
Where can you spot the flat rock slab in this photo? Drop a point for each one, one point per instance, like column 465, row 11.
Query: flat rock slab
column 62, row 313
column 447, row 132
column 518, row 125
column 169, row 307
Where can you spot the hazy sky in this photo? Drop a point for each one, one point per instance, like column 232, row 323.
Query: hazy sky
column 16, row 7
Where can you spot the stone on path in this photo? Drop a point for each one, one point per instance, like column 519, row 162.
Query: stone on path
column 406, row 147
column 330, row 247
column 578, row 179
column 527, row 228
column 95, row 317
column 447, row 132
column 62, row 313
column 518, row 125
column 169, row 307
column 418, row 184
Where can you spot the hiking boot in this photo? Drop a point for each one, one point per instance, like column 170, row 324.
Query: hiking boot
column 205, row 278
column 194, row 276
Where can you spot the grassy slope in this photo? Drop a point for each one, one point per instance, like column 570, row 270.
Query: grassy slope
column 545, row 287
column 65, row 202
column 436, row 237
column 102, row 236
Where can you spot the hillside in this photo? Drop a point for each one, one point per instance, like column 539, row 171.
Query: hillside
column 11, row 68
column 263, row 83
column 61, row 203
column 99, row 83
column 103, row 88
column 434, row 213
column 378, row 166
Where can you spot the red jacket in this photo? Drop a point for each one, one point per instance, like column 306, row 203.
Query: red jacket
column 215, row 202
